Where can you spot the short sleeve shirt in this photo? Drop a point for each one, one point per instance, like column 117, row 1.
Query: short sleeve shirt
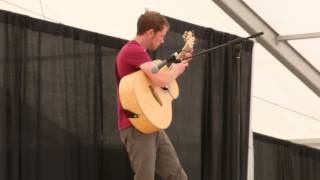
column 128, row 60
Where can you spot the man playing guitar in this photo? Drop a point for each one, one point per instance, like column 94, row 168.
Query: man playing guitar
column 153, row 152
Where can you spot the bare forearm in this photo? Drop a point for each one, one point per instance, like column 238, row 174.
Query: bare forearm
column 164, row 77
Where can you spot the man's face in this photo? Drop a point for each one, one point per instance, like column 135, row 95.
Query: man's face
column 157, row 38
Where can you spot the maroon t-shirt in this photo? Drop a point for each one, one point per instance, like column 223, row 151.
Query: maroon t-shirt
column 130, row 57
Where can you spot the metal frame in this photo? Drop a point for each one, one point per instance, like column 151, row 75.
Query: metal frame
column 283, row 51
column 298, row 36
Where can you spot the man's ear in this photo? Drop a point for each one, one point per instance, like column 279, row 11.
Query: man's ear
column 150, row 32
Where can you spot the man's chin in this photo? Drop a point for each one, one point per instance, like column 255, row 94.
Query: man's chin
column 153, row 48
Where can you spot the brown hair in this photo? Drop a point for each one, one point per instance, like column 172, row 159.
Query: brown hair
column 151, row 20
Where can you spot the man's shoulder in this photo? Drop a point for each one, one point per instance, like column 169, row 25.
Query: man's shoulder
column 132, row 48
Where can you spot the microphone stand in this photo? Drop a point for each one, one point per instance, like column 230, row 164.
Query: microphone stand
column 172, row 59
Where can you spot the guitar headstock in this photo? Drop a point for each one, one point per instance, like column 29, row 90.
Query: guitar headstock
column 189, row 40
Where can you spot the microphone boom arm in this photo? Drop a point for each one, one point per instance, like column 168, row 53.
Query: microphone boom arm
column 172, row 58
column 235, row 41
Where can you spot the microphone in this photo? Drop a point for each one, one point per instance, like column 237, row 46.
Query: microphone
column 157, row 67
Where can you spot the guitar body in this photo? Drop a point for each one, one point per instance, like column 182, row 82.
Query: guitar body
column 150, row 106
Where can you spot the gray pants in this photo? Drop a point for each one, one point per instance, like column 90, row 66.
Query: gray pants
column 150, row 154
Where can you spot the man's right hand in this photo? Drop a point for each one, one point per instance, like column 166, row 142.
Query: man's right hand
column 180, row 67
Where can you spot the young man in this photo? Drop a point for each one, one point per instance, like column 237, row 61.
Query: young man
column 148, row 153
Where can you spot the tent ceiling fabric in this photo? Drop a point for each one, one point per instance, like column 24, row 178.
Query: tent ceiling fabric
column 293, row 22
column 293, row 60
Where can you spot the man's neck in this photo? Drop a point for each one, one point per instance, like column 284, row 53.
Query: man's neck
column 141, row 40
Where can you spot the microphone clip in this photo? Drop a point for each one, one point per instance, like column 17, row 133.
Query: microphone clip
column 173, row 58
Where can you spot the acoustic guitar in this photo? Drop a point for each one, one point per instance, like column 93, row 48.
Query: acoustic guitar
column 149, row 108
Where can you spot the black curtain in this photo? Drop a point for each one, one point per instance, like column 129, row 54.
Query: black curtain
column 58, row 111
column 211, row 116
column 276, row 159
